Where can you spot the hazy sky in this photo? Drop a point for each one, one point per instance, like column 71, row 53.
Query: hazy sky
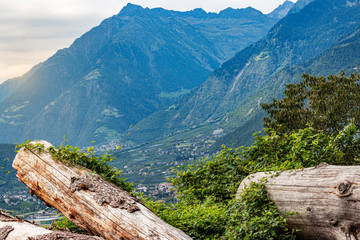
column 33, row 30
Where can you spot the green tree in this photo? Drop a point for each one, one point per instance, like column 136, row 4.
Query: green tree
column 327, row 104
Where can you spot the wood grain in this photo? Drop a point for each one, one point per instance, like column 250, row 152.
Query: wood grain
column 17, row 229
column 92, row 203
column 326, row 199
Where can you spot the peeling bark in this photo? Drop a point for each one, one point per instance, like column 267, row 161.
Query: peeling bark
column 106, row 193
column 326, row 199
column 95, row 205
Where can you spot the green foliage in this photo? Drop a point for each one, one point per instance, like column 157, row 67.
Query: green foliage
column 86, row 158
column 64, row 223
column 255, row 217
column 200, row 220
column 304, row 148
column 328, row 104
column 217, row 177
column 90, row 160
column 206, row 208
column 220, row 176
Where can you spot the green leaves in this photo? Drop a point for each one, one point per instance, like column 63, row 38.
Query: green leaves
column 328, row 104
column 87, row 158
column 206, row 208
column 256, row 217
column 218, row 177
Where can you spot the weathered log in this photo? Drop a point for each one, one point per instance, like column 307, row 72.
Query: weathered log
column 12, row 228
column 95, row 205
column 326, row 199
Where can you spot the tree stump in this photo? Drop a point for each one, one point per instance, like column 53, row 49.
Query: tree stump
column 96, row 205
column 326, row 199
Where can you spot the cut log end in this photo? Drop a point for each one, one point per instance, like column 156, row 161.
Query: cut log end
column 326, row 199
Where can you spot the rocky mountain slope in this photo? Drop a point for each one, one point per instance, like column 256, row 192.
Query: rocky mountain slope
column 297, row 38
column 282, row 10
column 343, row 56
column 119, row 72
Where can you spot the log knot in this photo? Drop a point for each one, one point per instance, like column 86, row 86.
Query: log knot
column 344, row 188
column 106, row 192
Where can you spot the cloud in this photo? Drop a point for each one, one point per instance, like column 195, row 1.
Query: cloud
column 33, row 30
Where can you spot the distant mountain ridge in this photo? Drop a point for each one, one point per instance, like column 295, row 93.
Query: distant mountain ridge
column 282, row 10
column 119, row 72
column 299, row 37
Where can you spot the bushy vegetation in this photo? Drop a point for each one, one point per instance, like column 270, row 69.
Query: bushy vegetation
column 329, row 104
column 206, row 208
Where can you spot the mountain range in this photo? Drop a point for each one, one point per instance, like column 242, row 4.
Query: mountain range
column 229, row 99
column 130, row 66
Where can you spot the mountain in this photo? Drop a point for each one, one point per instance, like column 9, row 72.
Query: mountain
column 282, row 10
column 343, row 56
column 219, row 102
column 8, row 179
column 131, row 65
column 300, row 4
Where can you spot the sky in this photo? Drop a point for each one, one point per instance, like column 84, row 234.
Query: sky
column 31, row 31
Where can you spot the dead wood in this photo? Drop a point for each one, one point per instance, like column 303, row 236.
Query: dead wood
column 92, row 203
column 12, row 228
column 326, row 200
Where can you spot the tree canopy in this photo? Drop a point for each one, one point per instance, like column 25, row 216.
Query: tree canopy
column 327, row 104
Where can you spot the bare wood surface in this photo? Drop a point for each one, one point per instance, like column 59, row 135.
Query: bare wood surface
column 12, row 228
column 326, row 199
column 92, row 203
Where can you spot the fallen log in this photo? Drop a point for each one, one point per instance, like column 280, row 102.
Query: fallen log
column 12, row 228
column 95, row 205
column 326, row 200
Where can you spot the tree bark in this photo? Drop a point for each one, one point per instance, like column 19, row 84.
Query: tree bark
column 92, row 203
column 326, row 199
column 17, row 229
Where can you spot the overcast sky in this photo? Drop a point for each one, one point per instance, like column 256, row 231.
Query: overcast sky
column 33, row 30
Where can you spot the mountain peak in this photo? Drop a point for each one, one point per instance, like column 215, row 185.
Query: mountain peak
column 239, row 13
column 282, row 10
column 300, row 4
column 130, row 9
column 198, row 13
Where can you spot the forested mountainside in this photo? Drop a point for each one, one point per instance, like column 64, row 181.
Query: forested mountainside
column 295, row 39
column 343, row 56
column 7, row 174
column 128, row 67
